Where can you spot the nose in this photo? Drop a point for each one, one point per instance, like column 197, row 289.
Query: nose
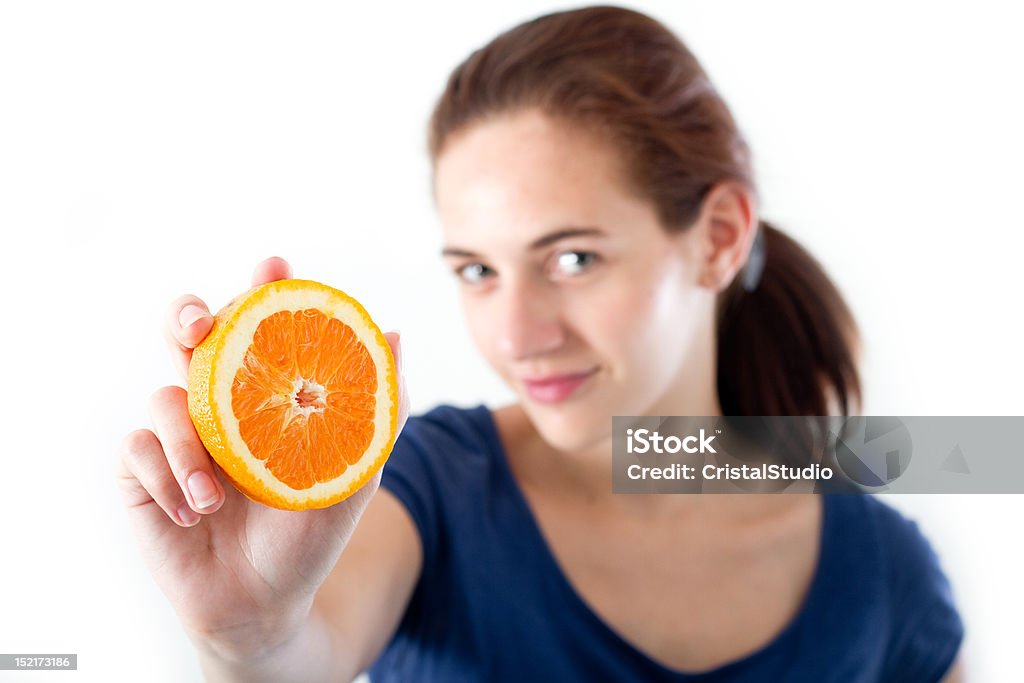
column 529, row 321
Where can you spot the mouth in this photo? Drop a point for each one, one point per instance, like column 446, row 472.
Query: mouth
column 556, row 388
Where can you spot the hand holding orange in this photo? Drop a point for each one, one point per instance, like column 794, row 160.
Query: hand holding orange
column 295, row 392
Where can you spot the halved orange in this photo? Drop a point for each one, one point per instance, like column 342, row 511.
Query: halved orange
column 295, row 395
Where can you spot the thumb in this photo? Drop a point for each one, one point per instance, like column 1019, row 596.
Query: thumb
column 270, row 270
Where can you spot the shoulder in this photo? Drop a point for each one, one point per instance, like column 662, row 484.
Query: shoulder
column 903, row 552
column 449, row 422
column 914, row 569
column 445, row 437
column 439, row 467
column 441, row 446
column 926, row 629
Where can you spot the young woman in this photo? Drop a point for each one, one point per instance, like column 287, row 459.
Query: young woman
column 599, row 210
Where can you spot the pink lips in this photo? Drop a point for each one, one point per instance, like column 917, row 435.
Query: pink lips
column 555, row 388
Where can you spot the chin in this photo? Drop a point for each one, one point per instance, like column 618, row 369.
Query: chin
column 571, row 425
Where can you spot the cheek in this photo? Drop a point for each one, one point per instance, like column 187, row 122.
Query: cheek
column 481, row 325
column 647, row 319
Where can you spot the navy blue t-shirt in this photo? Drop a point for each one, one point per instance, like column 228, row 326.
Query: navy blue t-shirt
column 492, row 603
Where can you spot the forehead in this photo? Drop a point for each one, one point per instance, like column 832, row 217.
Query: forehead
column 511, row 178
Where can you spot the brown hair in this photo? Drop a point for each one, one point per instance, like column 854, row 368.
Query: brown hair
column 785, row 348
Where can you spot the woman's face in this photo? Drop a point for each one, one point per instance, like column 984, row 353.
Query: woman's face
column 571, row 288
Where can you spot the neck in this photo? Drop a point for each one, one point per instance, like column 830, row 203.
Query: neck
column 586, row 473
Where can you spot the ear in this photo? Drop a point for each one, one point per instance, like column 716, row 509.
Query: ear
column 726, row 228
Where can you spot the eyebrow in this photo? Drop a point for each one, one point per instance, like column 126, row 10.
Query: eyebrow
column 539, row 243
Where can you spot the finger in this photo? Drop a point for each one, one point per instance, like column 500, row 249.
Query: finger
column 403, row 406
column 187, row 321
column 356, row 504
column 395, row 342
column 189, row 462
column 146, row 481
column 270, row 270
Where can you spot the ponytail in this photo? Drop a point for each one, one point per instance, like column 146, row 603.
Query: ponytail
column 789, row 345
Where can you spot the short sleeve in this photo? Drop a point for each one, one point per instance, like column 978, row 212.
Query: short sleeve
column 429, row 468
column 927, row 630
column 407, row 475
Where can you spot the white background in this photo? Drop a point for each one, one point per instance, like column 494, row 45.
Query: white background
column 152, row 149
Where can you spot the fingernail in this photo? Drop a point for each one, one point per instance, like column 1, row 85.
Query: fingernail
column 204, row 491
column 190, row 314
column 187, row 515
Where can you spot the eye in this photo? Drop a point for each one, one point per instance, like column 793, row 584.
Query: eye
column 574, row 262
column 472, row 273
